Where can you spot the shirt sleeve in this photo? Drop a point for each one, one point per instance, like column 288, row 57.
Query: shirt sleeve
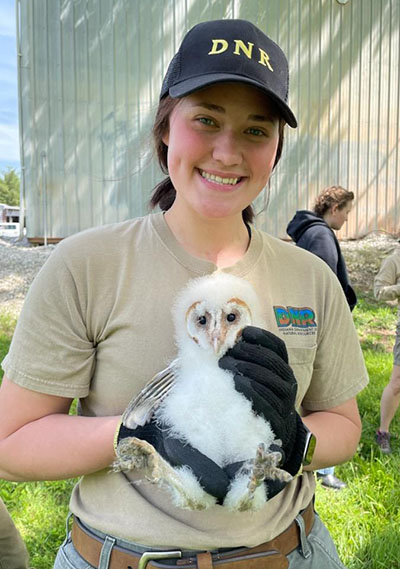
column 386, row 286
column 51, row 351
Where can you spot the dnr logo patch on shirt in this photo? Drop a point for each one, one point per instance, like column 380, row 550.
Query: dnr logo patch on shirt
column 295, row 320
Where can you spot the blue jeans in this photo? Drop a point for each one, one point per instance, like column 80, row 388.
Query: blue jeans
column 326, row 471
column 316, row 551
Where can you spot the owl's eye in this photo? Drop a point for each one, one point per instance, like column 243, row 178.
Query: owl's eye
column 231, row 317
column 202, row 320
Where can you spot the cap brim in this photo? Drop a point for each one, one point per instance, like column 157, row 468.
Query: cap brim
column 195, row 83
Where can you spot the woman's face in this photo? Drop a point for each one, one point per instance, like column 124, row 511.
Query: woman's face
column 338, row 217
column 222, row 143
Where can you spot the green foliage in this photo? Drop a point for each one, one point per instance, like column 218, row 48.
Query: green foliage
column 7, row 325
column 364, row 519
column 9, row 187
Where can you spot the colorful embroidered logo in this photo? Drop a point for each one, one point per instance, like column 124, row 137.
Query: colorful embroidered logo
column 295, row 317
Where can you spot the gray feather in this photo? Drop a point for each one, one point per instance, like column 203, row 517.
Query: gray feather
column 141, row 409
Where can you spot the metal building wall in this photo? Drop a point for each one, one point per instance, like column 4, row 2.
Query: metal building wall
column 90, row 74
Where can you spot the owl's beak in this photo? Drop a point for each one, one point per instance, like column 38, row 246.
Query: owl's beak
column 217, row 342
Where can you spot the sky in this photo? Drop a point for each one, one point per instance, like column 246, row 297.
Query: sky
column 9, row 135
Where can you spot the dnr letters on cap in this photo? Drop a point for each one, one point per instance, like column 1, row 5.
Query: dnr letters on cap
column 240, row 48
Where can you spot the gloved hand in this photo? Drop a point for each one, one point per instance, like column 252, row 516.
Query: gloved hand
column 212, row 478
column 259, row 362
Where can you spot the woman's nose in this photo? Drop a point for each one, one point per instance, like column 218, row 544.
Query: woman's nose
column 227, row 150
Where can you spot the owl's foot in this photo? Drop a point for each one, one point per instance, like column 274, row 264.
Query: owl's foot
column 186, row 492
column 266, row 466
column 135, row 454
column 247, row 491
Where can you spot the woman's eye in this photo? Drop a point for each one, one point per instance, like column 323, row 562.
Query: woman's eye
column 256, row 132
column 206, row 121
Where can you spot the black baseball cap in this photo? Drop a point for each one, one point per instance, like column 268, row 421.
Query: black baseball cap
column 229, row 50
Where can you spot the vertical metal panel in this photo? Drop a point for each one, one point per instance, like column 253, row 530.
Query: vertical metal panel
column 91, row 71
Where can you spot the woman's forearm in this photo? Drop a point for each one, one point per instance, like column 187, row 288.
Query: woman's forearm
column 58, row 446
column 386, row 291
column 337, row 438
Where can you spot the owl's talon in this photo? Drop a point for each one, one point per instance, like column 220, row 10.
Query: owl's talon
column 266, row 465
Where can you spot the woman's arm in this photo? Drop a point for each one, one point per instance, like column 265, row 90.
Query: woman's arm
column 386, row 285
column 338, row 432
column 40, row 441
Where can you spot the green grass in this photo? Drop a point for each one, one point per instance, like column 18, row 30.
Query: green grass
column 364, row 519
column 7, row 325
column 39, row 510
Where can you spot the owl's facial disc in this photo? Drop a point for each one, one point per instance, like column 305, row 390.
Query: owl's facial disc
column 217, row 329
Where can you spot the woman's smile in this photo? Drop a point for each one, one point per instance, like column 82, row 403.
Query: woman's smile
column 221, row 181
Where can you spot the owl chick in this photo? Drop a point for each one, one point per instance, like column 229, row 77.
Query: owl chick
column 195, row 401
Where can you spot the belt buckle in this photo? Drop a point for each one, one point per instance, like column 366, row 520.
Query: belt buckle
column 153, row 555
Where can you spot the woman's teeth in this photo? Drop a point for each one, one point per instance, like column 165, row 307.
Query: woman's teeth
column 218, row 179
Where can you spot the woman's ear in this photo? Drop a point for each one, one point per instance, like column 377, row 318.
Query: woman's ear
column 165, row 138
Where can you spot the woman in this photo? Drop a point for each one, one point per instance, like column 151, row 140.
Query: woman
column 386, row 287
column 313, row 231
column 94, row 328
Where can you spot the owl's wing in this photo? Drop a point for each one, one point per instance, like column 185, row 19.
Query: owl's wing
column 142, row 407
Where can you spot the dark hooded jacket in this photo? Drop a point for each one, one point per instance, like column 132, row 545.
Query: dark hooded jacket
column 311, row 232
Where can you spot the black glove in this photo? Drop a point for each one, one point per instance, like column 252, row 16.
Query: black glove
column 259, row 362
column 211, row 477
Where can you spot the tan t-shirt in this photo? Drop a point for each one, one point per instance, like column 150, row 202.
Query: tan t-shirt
column 387, row 281
column 97, row 325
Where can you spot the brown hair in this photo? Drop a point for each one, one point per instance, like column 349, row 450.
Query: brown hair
column 334, row 195
column 163, row 194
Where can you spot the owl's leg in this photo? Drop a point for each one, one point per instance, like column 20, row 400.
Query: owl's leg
column 248, row 491
column 137, row 454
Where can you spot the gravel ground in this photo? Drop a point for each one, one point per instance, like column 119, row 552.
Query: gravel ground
column 364, row 256
column 19, row 263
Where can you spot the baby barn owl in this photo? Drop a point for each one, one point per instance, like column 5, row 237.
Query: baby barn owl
column 195, row 401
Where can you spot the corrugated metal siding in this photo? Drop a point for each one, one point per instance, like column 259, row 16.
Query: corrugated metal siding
column 91, row 71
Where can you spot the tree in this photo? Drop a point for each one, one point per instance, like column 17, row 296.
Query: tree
column 9, row 187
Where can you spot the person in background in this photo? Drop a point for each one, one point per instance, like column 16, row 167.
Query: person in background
column 387, row 287
column 313, row 230
column 13, row 553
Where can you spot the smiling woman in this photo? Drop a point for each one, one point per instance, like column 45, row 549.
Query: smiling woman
column 104, row 302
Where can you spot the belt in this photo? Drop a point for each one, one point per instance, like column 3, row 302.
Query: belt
column 269, row 555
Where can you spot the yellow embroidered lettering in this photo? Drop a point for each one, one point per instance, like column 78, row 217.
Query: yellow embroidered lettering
column 219, row 46
column 239, row 45
column 264, row 59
